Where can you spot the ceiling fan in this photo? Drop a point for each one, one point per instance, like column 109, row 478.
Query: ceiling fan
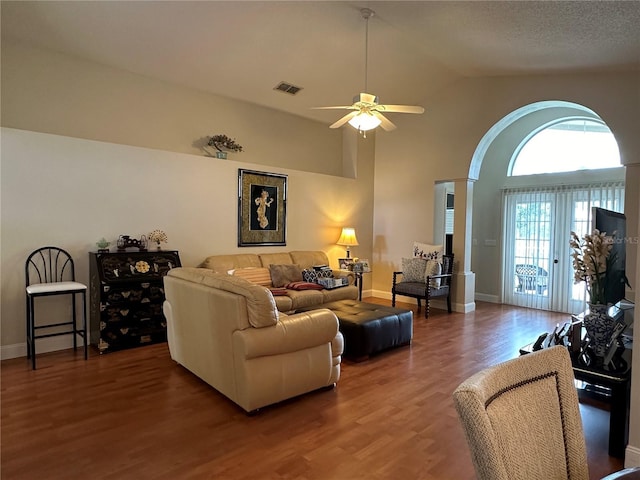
column 367, row 111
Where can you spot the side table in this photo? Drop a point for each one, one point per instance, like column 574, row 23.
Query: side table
column 359, row 282
column 619, row 385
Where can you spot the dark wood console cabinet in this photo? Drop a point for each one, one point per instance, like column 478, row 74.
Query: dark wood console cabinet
column 126, row 295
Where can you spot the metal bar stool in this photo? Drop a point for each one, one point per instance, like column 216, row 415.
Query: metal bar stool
column 50, row 271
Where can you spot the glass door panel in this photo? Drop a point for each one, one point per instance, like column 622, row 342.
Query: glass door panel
column 527, row 278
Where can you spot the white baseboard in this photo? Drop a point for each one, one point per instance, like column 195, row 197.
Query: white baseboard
column 378, row 294
column 13, row 351
column 437, row 303
column 632, row 457
column 484, row 297
column 43, row 345
column 463, row 307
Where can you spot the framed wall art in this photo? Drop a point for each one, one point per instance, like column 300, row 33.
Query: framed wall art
column 345, row 263
column 262, row 208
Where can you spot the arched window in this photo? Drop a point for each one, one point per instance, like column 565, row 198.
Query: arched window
column 566, row 145
column 541, row 211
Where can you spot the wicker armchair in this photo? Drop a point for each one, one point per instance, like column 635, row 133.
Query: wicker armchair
column 425, row 290
column 531, row 278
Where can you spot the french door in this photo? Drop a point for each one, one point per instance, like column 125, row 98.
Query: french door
column 537, row 267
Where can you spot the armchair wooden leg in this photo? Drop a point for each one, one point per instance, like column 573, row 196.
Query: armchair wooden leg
column 449, row 303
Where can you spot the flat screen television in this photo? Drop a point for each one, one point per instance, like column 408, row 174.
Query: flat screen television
column 609, row 222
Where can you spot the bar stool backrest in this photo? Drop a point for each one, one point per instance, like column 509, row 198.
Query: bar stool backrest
column 49, row 265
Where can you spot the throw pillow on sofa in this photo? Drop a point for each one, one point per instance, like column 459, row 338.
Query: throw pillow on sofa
column 285, row 273
column 313, row 275
column 303, row 286
column 309, row 275
column 258, row 275
column 278, row 292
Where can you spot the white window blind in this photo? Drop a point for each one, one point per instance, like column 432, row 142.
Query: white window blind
column 537, row 268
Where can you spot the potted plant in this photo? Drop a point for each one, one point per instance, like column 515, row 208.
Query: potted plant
column 222, row 143
column 592, row 260
column 103, row 245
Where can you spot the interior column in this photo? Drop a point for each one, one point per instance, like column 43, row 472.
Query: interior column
column 464, row 280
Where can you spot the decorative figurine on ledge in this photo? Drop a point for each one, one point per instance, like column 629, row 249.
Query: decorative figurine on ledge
column 220, row 142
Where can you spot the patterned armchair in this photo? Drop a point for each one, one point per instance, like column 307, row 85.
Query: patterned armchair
column 433, row 286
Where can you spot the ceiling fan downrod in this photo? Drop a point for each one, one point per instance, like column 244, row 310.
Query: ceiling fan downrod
column 367, row 13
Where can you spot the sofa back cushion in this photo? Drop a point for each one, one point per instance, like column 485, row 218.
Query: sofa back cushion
column 309, row 258
column 304, row 258
column 267, row 259
column 224, row 263
column 261, row 307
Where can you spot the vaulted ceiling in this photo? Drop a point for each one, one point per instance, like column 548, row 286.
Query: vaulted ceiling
column 243, row 49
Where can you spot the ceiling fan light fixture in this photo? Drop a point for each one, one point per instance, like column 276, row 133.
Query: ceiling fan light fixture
column 366, row 111
column 364, row 121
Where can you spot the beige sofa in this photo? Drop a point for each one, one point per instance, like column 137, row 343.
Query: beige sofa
column 228, row 331
column 259, row 265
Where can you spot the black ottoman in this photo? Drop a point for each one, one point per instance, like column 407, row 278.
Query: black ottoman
column 369, row 328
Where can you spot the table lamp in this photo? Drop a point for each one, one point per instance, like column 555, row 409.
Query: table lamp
column 348, row 239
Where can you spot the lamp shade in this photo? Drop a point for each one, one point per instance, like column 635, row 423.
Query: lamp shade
column 364, row 121
column 348, row 237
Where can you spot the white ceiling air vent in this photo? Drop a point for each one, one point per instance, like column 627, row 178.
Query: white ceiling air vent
column 287, row 88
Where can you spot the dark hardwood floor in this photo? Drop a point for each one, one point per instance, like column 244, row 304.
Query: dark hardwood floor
column 137, row 415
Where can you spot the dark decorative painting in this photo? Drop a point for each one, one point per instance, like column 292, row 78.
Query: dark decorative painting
column 262, row 208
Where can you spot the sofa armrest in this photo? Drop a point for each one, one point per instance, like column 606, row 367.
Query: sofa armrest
column 345, row 274
column 291, row 334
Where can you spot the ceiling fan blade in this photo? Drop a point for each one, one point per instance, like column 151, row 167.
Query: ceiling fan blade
column 385, row 123
column 344, row 120
column 337, row 107
column 400, row 108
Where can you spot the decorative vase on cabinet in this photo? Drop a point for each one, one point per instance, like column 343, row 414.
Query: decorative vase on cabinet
column 599, row 326
column 126, row 295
